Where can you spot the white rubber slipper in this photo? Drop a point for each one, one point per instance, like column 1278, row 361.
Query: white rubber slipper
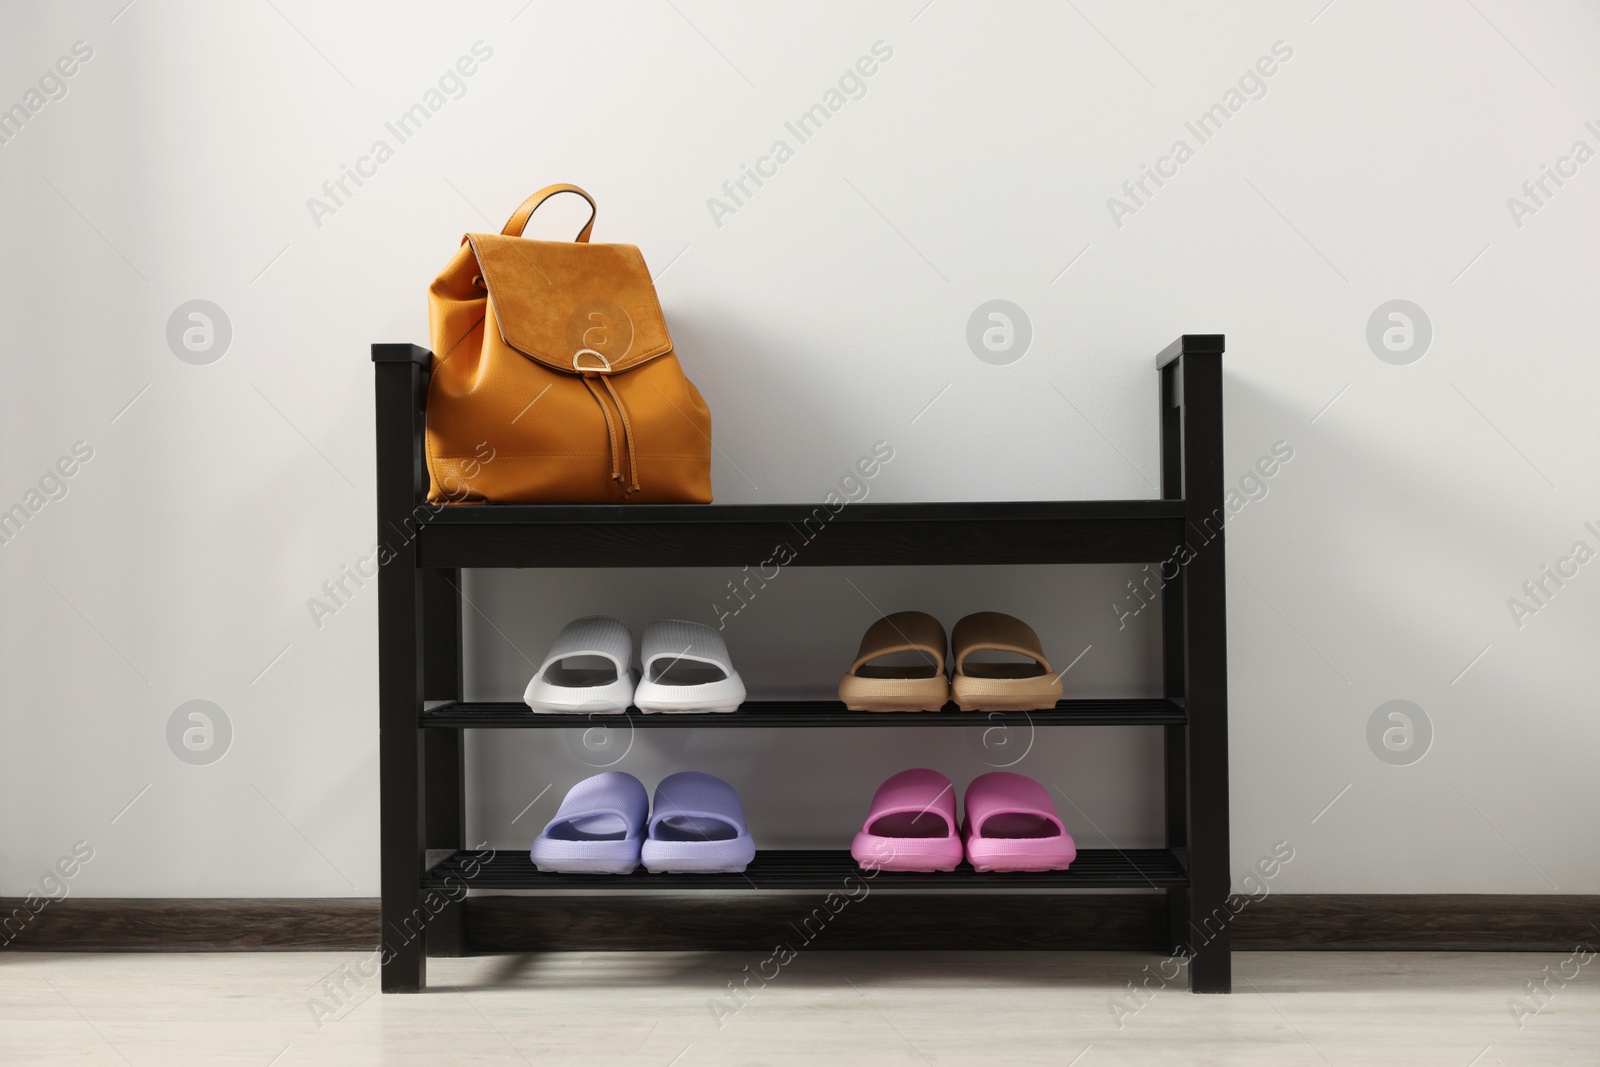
column 686, row 669
column 586, row 670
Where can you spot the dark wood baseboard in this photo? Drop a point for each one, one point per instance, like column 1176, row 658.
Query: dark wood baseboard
column 191, row 924
column 1462, row 922
column 1423, row 922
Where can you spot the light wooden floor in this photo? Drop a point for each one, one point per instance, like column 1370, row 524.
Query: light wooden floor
column 823, row 1008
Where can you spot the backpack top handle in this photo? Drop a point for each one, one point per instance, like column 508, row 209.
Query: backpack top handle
column 519, row 218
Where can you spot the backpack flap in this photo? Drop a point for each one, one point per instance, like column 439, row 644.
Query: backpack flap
column 573, row 307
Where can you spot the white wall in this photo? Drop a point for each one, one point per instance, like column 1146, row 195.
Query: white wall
column 822, row 316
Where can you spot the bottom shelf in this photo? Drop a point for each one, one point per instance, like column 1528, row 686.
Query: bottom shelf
column 1095, row 868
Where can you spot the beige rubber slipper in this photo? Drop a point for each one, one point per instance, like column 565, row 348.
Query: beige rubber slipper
column 918, row 687
column 979, row 686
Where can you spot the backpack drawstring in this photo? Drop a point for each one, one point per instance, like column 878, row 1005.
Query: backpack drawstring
column 631, row 484
column 611, row 430
column 627, row 436
column 589, row 374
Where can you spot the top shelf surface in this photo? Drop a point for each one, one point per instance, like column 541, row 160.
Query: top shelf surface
column 940, row 512
column 708, row 535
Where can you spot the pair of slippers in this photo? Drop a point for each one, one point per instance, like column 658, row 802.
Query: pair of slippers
column 589, row 670
column 1011, row 825
column 606, row 826
column 975, row 685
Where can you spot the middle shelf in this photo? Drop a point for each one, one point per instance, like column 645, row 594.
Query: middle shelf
column 812, row 714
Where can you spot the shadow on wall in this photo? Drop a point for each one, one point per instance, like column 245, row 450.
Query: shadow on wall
column 1393, row 580
column 728, row 359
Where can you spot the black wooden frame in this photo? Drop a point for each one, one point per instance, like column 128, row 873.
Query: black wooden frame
column 428, row 868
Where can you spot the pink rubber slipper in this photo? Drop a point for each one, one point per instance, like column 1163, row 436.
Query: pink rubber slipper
column 1012, row 825
column 911, row 826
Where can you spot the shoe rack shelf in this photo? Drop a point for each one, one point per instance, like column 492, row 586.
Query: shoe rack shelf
column 807, row 714
column 422, row 716
column 1140, row 868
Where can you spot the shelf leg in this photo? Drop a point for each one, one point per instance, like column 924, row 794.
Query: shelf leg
column 1177, row 802
column 1195, row 627
column 442, row 749
column 399, row 394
